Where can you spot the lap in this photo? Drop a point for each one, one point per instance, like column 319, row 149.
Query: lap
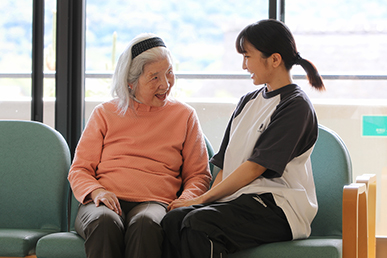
column 132, row 213
column 248, row 217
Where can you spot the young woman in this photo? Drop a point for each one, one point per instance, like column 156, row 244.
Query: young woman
column 265, row 190
column 136, row 153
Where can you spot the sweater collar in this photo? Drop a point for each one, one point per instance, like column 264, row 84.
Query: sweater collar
column 140, row 107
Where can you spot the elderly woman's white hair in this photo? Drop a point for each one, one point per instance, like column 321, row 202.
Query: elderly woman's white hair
column 128, row 70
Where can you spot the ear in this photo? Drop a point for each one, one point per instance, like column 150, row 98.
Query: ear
column 276, row 59
column 130, row 86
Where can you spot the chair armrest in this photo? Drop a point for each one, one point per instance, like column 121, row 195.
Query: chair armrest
column 368, row 230
column 354, row 197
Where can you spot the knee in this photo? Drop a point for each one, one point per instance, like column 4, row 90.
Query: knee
column 199, row 219
column 143, row 224
column 107, row 222
column 172, row 220
column 193, row 216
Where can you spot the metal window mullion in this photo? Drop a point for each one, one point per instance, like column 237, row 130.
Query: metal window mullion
column 37, row 61
column 277, row 10
column 70, row 69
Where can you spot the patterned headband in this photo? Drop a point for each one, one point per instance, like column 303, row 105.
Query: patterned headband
column 143, row 46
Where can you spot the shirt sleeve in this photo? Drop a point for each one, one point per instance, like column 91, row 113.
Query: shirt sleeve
column 291, row 131
column 195, row 170
column 82, row 176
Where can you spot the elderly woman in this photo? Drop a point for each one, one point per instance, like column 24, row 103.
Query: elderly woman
column 138, row 153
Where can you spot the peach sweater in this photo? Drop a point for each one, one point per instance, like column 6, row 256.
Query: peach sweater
column 145, row 155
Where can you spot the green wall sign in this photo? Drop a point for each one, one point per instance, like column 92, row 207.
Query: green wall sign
column 375, row 126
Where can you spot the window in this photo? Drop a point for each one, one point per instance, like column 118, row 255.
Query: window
column 346, row 41
column 16, row 60
column 200, row 35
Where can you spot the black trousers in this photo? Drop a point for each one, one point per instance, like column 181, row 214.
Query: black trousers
column 216, row 229
column 135, row 234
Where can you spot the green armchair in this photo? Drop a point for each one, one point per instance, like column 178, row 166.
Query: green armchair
column 34, row 162
column 332, row 171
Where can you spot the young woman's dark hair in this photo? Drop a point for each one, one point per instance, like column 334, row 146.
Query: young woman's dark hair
column 272, row 36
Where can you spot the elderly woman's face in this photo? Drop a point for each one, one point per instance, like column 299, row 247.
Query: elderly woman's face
column 155, row 83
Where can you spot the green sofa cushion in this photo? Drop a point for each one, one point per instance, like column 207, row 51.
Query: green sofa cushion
column 321, row 247
column 19, row 242
column 61, row 245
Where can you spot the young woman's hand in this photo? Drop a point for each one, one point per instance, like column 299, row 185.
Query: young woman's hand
column 243, row 175
column 184, row 203
column 108, row 198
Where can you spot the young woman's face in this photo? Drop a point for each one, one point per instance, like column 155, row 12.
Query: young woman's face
column 155, row 83
column 255, row 64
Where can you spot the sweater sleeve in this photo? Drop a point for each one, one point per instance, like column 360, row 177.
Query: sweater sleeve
column 82, row 176
column 195, row 170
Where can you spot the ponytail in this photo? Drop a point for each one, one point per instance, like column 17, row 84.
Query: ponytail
column 312, row 74
column 272, row 36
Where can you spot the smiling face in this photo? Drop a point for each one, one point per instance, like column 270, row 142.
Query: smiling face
column 255, row 64
column 155, row 83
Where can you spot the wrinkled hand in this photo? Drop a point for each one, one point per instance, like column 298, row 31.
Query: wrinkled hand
column 184, row 203
column 108, row 198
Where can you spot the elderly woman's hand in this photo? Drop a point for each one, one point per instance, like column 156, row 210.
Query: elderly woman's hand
column 108, row 198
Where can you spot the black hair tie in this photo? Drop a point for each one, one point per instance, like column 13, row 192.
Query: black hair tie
column 298, row 58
